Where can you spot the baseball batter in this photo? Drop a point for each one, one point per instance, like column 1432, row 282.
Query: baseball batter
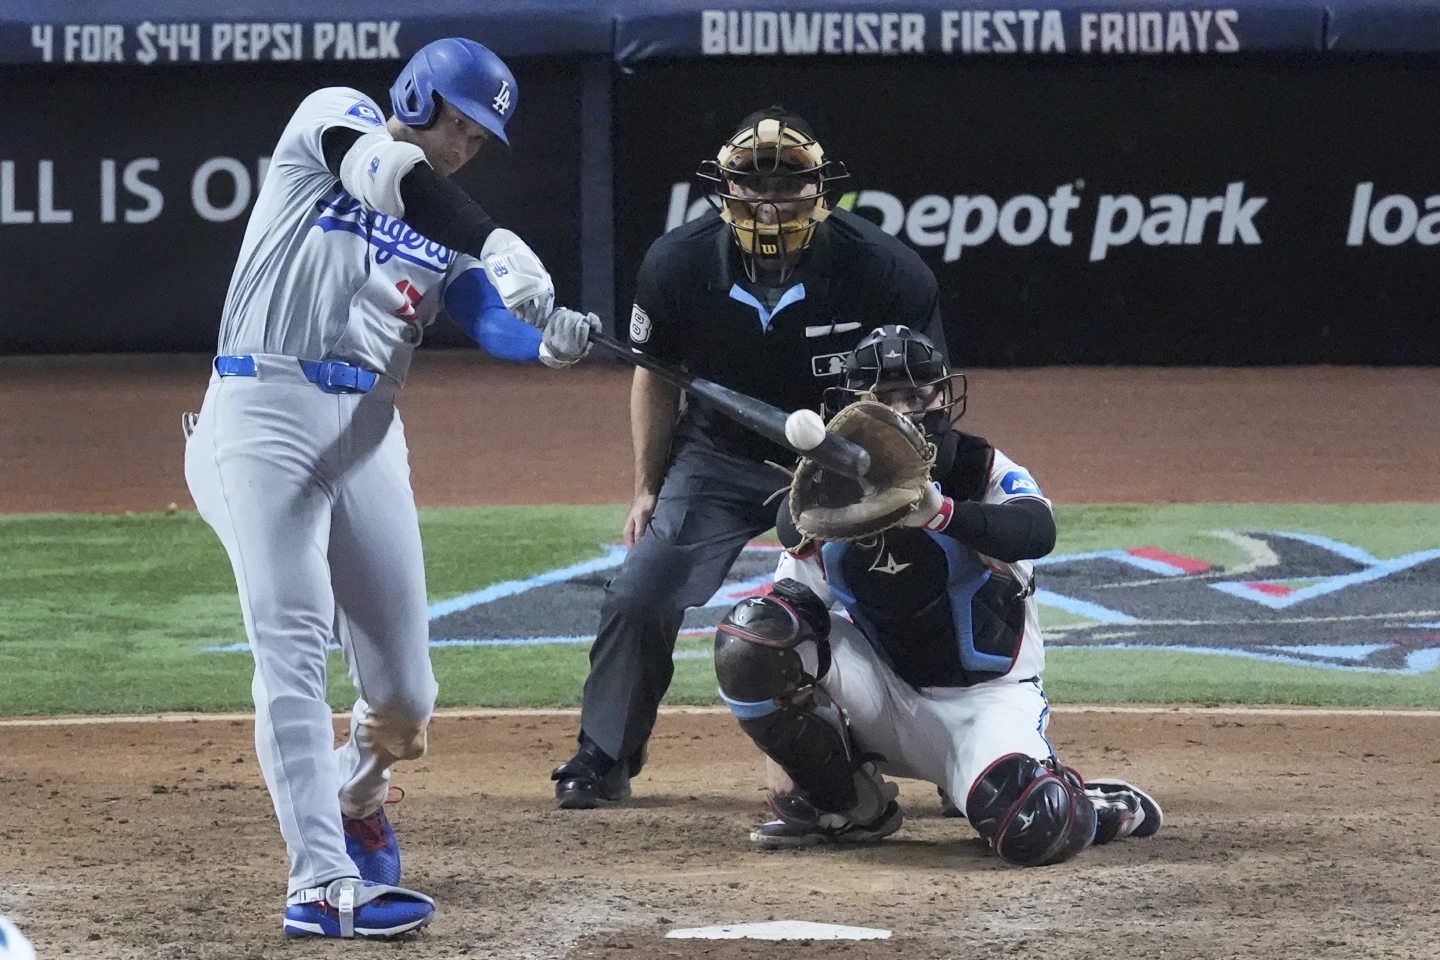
column 936, row 673
column 298, row 458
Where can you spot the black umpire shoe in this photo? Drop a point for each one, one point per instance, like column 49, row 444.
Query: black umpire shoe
column 591, row 778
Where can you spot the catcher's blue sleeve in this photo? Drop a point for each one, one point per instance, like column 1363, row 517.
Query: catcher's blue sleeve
column 477, row 307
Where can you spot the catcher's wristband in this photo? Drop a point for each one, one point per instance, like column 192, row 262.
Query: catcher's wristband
column 941, row 520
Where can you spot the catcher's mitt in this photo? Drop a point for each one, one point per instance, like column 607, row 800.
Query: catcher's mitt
column 828, row 506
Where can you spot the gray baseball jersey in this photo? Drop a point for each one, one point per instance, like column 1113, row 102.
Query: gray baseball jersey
column 321, row 277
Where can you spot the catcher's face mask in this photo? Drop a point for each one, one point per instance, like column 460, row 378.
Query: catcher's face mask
column 770, row 184
column 932, row 406
column 904, row 371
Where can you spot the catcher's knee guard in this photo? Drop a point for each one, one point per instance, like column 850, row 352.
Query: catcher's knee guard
column 762, row 644
column 761, row 648
column 1031, row 812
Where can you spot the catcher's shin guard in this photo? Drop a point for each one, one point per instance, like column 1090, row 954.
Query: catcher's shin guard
column 761, row 649
column 1031, row 812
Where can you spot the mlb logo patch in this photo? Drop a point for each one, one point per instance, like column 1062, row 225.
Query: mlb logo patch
column 827, row 364
column 1019, row 482
column 364, row 111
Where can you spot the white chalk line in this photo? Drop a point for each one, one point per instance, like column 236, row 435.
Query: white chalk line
column 484, row 713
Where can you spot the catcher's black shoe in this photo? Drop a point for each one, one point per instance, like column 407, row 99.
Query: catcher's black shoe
column 591, row 778
column 1122, row 810
column 792, row 834
column 948, row 806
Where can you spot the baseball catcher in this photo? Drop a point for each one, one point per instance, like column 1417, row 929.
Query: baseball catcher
column 936, row 673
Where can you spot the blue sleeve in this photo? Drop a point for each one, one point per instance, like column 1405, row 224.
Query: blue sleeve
column 477, row 307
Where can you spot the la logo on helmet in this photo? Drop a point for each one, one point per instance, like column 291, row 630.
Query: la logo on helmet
column 501, row 103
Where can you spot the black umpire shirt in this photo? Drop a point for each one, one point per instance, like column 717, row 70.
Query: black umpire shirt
column 694, row 306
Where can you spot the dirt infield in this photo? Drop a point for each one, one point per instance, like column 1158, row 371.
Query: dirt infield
column 1303, row 835
column 1300, row 835
column 103, row 433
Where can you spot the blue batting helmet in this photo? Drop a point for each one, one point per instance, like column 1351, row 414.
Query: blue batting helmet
column 465, row 75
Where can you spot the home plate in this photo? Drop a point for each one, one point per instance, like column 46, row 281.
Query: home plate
column 780, row 930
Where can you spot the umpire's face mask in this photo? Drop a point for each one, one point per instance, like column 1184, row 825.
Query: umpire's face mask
column 770, row 185
column 773, row 219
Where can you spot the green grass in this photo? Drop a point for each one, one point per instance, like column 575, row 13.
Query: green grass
column 109, row 614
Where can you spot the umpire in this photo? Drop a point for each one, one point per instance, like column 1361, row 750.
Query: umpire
column 766, row 296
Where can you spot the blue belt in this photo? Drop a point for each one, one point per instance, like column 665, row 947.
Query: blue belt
column 332, row 376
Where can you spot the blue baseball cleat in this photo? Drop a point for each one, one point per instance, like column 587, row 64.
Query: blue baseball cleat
column 371, row 843
column 349, row 909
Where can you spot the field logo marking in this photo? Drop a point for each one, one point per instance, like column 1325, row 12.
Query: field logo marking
column 1295, row 598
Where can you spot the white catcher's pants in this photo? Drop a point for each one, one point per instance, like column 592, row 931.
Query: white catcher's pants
column 946, row 735
column 310, row 494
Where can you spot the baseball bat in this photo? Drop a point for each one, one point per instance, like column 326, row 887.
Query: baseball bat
column 834, row 453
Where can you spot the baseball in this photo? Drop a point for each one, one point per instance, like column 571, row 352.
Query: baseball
column 804, row 429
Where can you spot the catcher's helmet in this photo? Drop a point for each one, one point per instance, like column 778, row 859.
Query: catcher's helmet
column 469, row 77
column 894, row 362
column 773, row 154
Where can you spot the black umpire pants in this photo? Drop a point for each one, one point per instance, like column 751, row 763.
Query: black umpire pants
column 711, row 504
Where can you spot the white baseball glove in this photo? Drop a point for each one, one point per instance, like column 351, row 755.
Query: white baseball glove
column 519, row 277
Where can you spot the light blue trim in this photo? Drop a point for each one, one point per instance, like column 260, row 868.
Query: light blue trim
column 1416, row 662
column 1083, row 608
column 614, row 556
column 1119, row 556
column 794, row 295
column 966, row 578
column 1246, row 592
column 1346, row 550
column 1354, row 651
column 747, row 709
column 1378, row 570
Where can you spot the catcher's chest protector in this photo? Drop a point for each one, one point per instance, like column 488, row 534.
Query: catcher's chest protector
column 935, row 613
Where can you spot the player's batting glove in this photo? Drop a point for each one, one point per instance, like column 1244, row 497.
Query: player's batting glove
column 567, row 337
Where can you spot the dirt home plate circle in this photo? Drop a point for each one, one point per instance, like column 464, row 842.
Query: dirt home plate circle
column 804, row 429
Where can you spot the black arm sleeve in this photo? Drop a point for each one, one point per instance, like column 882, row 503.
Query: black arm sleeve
column 1018, row 530
column 434, row 205
column 335, row 142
